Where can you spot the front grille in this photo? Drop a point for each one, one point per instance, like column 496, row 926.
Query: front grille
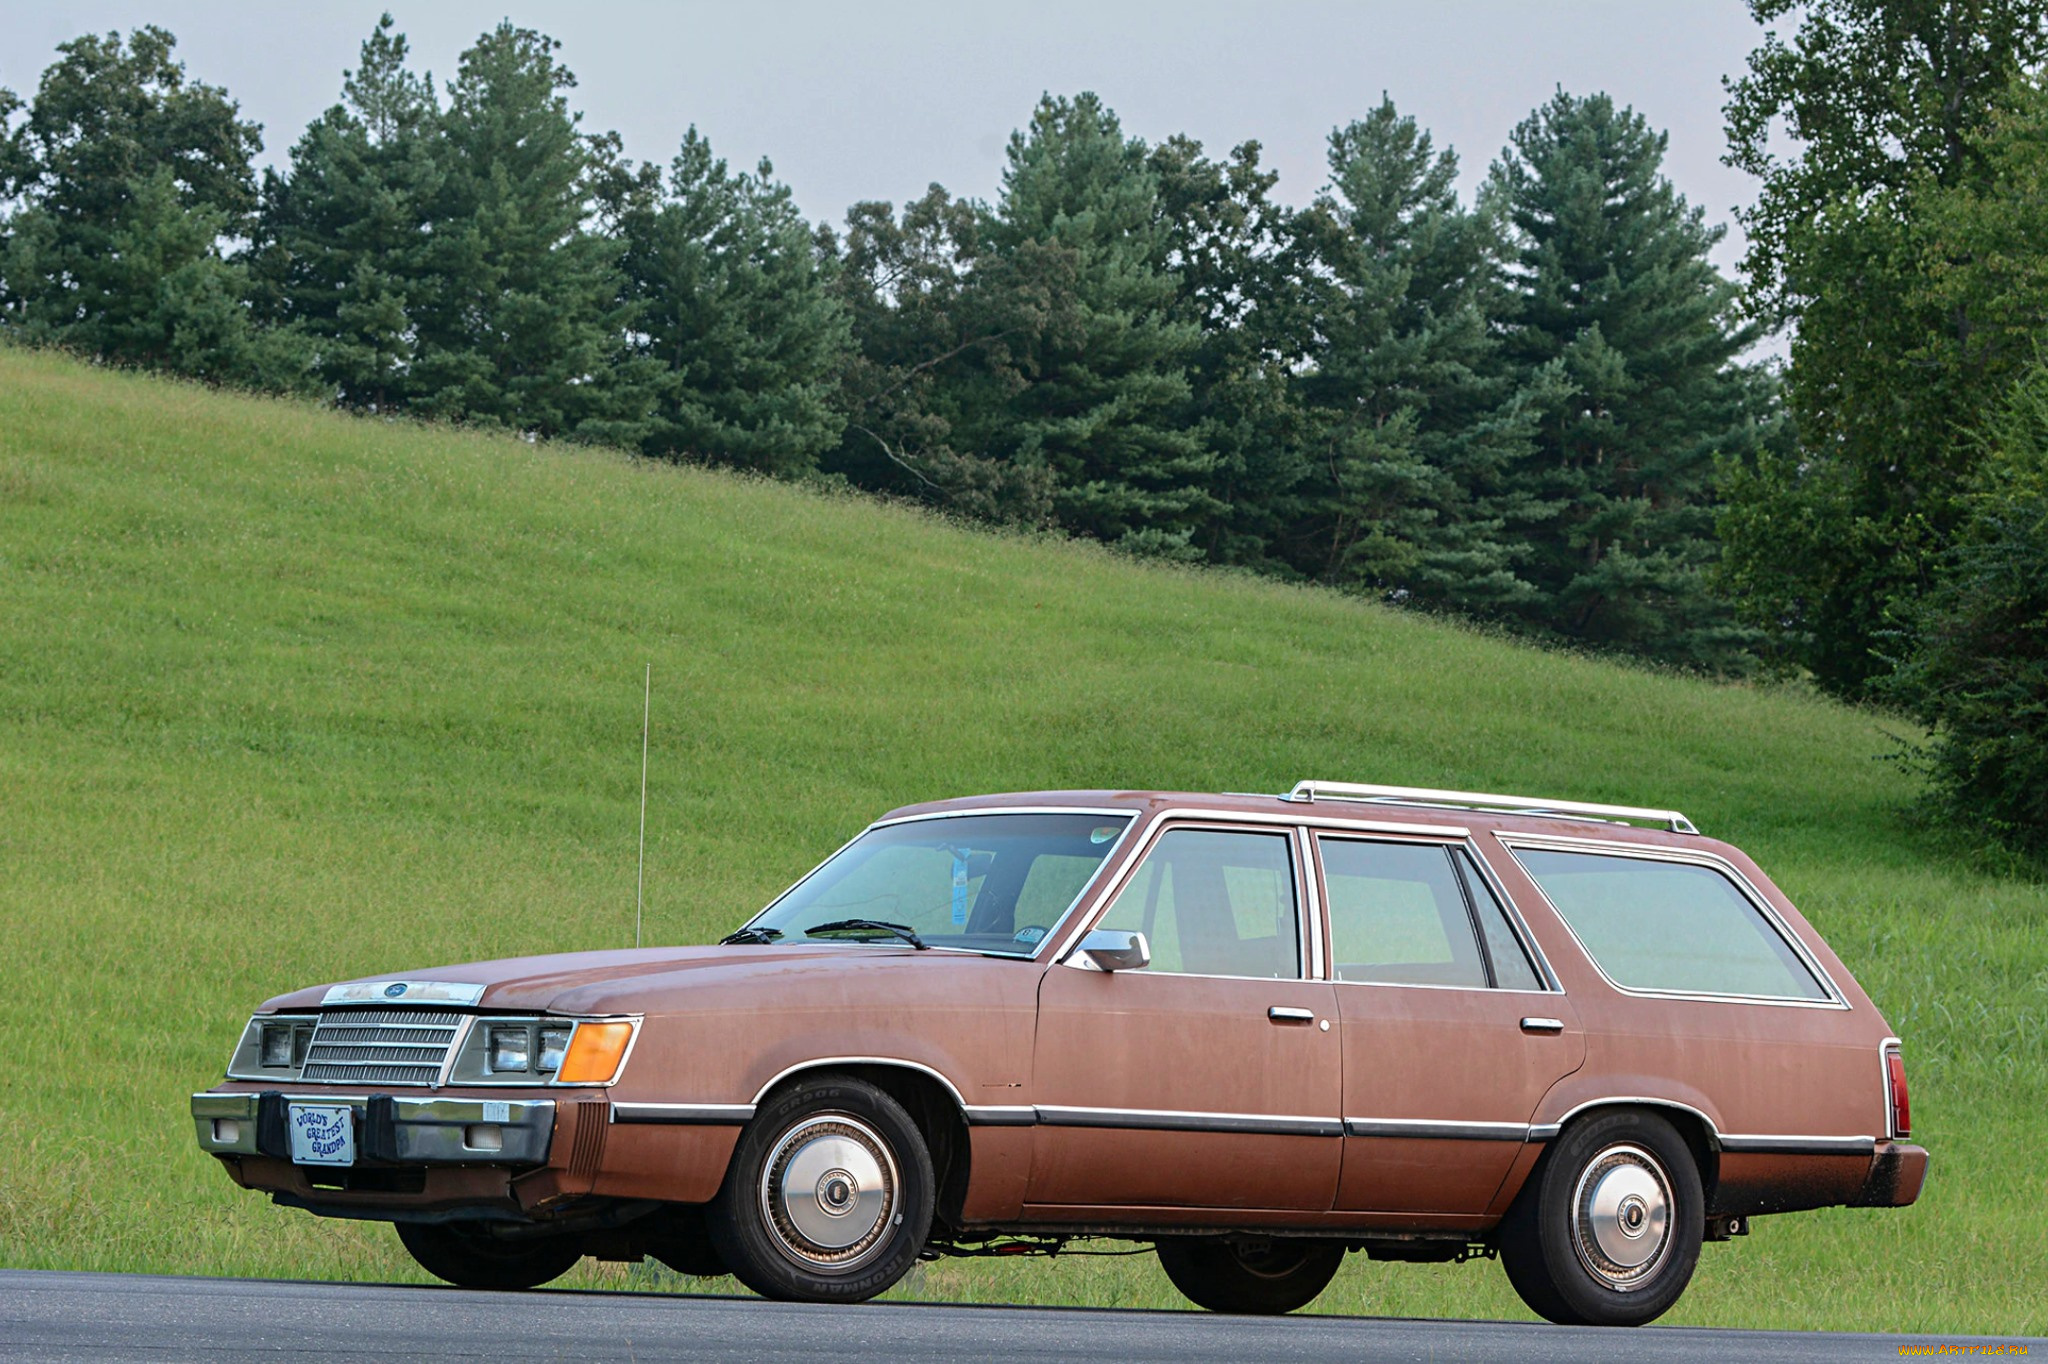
column 381, row 1046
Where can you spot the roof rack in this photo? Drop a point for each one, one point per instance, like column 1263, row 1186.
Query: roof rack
column 1521, row 805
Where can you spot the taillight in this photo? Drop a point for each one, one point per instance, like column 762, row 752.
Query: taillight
column 1895, row 1076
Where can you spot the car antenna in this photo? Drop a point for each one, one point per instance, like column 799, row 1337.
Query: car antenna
column 640, row 880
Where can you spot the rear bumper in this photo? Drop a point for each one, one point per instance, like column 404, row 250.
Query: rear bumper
column 1896, row 1173
column 389, row 1130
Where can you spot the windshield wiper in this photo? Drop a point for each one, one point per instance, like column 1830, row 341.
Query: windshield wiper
column 750, row 934
column 903, row 931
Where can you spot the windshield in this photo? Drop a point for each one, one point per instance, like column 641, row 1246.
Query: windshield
column 983, row 883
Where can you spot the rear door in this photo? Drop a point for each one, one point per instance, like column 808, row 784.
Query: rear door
column 1452, row 1029
column 1211, row 1078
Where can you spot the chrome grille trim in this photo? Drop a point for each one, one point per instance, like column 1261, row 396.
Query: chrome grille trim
column 382, row 1046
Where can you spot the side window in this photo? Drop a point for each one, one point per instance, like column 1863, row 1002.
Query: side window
column 1512, row 969
column 1397, row 915
column 1654, row 925
column 1215, row 903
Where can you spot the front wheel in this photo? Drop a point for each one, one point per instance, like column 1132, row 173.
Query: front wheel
column 1608, row 1230
column 829, row 1195
column 472, row 1257
column 1256, row 1275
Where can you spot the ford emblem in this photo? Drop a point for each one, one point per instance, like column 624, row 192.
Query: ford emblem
column 394, row 991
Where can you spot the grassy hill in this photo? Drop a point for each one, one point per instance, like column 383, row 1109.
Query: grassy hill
column 287, row 696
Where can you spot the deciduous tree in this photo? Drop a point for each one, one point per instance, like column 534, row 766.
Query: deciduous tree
column 127, row 182
column 1886, row 103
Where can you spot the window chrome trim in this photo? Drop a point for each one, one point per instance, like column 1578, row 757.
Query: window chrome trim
column 1516, row 923
column 1425, row 985
column 1311, row 899
column 1218, row 821
column 1132, row 819
column 1598, row 847
column 1548, row 981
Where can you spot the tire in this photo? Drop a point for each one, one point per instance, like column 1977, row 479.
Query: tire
column 1253, row 1276
column 829, row 1195
column 472, row 1257
column 1607, row 1230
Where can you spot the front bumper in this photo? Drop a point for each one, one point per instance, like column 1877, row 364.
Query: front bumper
column 389, row 1129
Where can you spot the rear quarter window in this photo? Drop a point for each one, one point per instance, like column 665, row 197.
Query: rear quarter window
column 1653, row 925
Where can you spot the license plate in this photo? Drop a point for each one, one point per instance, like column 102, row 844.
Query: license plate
column 322, row 1134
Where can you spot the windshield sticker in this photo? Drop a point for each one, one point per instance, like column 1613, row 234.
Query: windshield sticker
column 960, row 856
column 1104, row 834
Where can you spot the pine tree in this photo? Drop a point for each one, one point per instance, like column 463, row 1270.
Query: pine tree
column 1627, row 334
column 344, row 236
column 523, row 327
column 127, row 180
column 734, row 315
column 1413, row 416
column 1104, row 410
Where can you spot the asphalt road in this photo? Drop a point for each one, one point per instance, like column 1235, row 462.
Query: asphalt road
column 52, row 1316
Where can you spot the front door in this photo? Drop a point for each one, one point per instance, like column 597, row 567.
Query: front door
column 1210, row 1078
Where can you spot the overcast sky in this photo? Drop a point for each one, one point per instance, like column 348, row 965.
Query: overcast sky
column 876, row 100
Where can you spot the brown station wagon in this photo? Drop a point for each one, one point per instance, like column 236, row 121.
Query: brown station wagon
column 1254, row 1031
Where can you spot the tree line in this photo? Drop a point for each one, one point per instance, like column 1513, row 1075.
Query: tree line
column 1532, row 408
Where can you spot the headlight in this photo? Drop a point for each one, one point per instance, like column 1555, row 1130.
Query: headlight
column 534, row 1049
column 277, row 1044
column 511, row 1049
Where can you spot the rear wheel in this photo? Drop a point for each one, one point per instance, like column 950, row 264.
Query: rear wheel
column 1607, row 1232
column 474, row 1257
column 829, row 1196
column 1251, row 1275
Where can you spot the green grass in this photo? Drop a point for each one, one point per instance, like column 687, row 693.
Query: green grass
column 287, row 697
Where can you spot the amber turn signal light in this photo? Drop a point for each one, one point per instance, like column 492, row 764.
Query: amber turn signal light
column 594, row 1053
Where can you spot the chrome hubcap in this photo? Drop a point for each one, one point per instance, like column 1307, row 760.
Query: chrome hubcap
column 1621, row 1217
column 829, row 1192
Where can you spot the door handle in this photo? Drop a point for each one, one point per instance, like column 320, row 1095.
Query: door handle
column 1543, row 1025
column 1280, row 1013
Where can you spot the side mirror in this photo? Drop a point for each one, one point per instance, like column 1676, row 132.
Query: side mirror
column 1116, row 949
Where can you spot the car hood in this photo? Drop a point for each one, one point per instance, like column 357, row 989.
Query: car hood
column 621, row 981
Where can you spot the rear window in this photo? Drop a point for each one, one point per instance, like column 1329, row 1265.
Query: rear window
column 1655, row 925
